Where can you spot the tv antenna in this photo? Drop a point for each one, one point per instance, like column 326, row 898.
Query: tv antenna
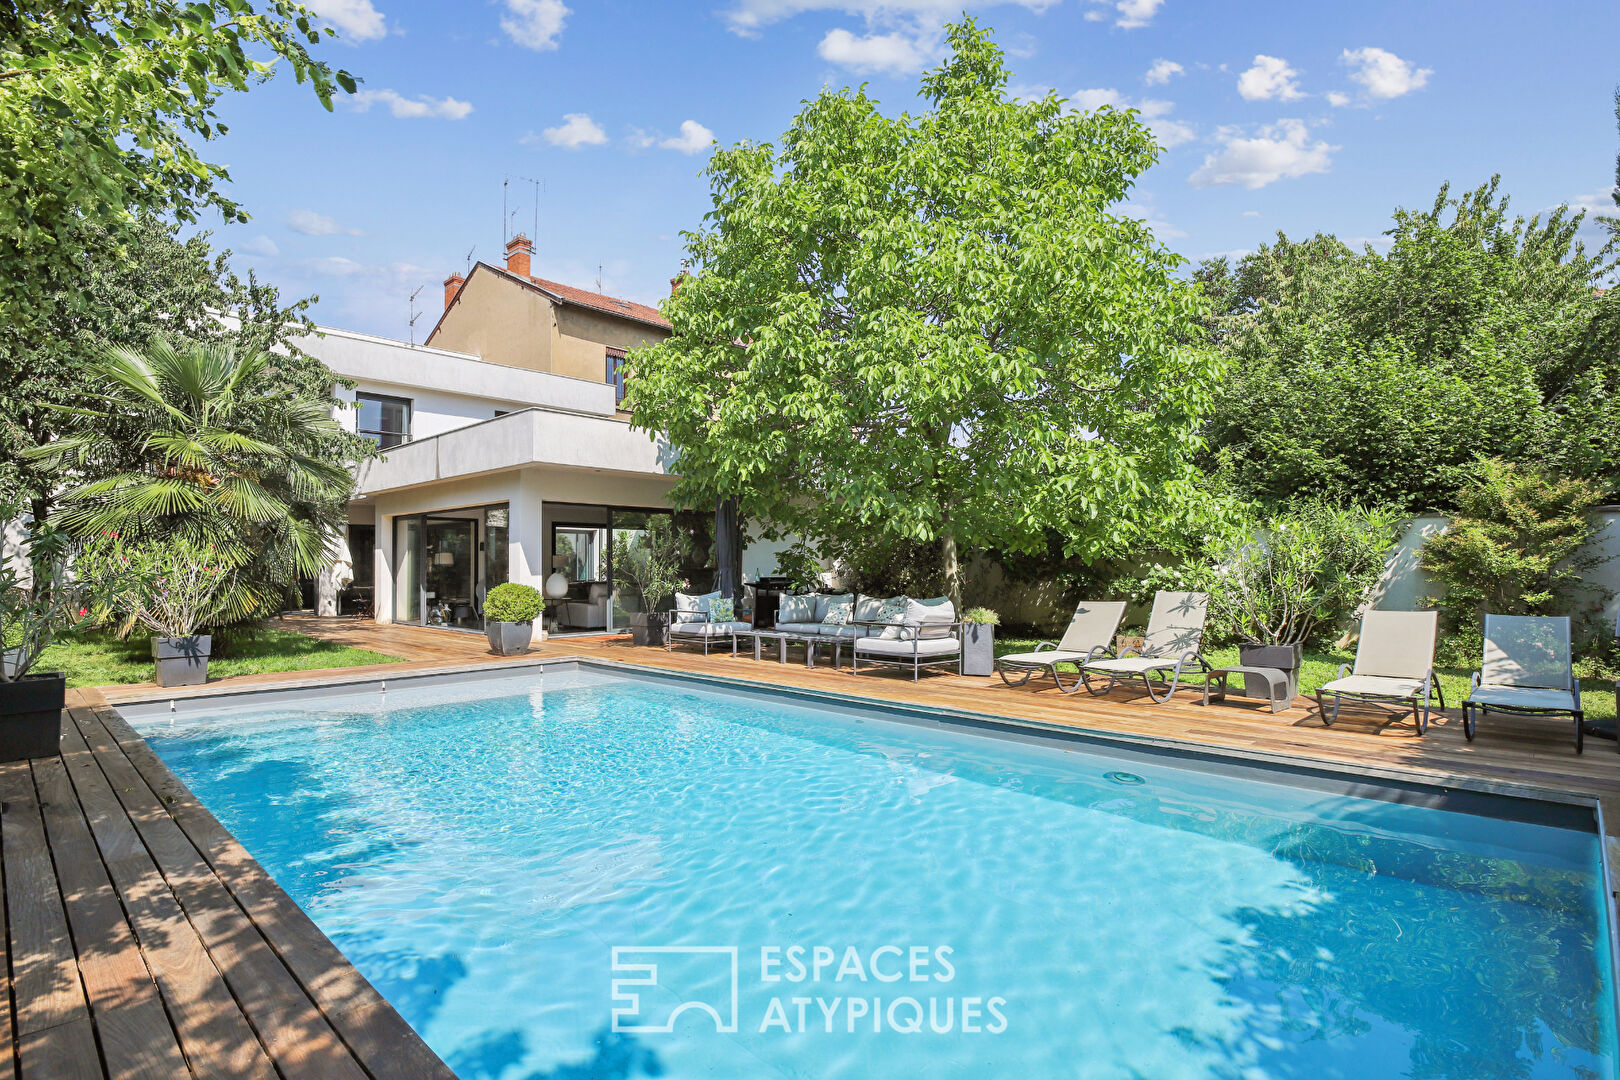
column 414, row 313
column 469, row 256
column 599, row 278
column 506, row 218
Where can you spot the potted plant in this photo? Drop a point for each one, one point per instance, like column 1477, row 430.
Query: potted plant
column 509, row 613
column 172, row 586
column 979, row 641
column 34, row 611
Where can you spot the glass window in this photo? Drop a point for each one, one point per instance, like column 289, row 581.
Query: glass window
column 386, row 421
column 615, row 374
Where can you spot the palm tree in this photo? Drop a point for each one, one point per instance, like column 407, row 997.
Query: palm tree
column 197, row 441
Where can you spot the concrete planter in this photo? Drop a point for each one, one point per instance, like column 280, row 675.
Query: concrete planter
column 1286, row 658
column 978, row 649
column 182, row 661
column 31, row 715
column 649, row 628
column 509, row 638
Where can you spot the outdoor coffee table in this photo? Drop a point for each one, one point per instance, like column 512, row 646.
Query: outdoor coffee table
column 1276, row 680
column 783, row 638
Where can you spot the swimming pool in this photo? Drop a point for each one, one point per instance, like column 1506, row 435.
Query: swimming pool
column 543, row 871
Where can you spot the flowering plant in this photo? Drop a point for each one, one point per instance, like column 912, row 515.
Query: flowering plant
column 172, row 586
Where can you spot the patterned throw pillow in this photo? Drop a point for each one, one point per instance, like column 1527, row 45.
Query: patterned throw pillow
column 722, row 609
column 839, row 613
column 892, row 610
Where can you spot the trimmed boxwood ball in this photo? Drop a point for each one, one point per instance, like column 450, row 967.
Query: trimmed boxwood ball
column 512, row 602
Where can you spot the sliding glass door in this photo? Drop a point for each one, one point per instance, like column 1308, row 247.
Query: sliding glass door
column 445, row 564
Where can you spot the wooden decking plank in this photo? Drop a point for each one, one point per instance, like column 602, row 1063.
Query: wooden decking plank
column 64, row 1052
column 8, row 1042
column 136, row 1038
column 216, row 1037
column 46, row 985
column 299, row 1039
column 384, row 1042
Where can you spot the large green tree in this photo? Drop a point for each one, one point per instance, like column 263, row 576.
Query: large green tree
column 131, row 282
column 936, row 327
column 1383, row 377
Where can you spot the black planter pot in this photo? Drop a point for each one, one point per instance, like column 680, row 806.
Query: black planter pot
column 509, row 638
column 649, row 628
column 1286, row 658
column 182, row 661
column 31, row 715
column 979, row 649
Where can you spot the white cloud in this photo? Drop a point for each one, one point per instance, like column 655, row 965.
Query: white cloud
column 576, row 130
column 1162, row 72
column 1383, row 74
column 1128, row 14
column 261, row 245
column 417, row 108
column 694, row 138
column 355, row 20
column 310, row 223
column 1283, row 150
column 637, row 139
column 1338, row 99
column 890, row 54
column 534, row 24
column 1251, row 213
column 1155, row 114
column 1269, row 78
column 749, row 17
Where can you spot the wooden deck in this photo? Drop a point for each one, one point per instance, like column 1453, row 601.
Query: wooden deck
column 143, row 941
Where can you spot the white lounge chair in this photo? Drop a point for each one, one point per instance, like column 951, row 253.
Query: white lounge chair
column 1169, row 648
column 1090, row 636
column 1527, row 669
column 1394, row 663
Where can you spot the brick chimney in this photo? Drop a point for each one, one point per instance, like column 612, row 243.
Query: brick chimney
column 452, row 286
column 674, row 283
column 518, row 251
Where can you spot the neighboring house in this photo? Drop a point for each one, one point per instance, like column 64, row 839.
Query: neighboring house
column 507, row 457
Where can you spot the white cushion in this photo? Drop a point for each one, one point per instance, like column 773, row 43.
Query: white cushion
column 932, row 617
column 1134, row 665
column 1523, row 697
column 892, row 610
column 1374, row 686
column 825, row 602
column 797, row 609
column 687, row 602
column 798, row 627
column 866, row 607
column 880, row 646
column 707, row 629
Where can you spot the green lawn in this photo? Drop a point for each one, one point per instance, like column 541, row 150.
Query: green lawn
column 100, row 659
column 1322, row 665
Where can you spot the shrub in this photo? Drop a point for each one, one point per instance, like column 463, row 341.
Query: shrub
column 1518, row 545
column 512, row 602
column 1293, row 575
column 981, row 615
column 173, row 586
column 40, row 606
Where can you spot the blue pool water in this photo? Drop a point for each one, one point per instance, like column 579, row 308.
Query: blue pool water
column 984, row 908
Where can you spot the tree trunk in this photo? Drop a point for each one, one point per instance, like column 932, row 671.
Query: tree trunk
column 727, row 547
column 952, row 566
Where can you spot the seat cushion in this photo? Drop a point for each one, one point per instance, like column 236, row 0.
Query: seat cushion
column 798, row 627
column 1374, row 686
column 931, row 647
column 709, row 629
column 1523, row 697
column 793, row 608
column 1133, row 665
column 1044, row 658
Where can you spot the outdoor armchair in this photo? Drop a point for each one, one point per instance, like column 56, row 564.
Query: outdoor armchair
column 691, row 623
column 1394, row 663
column 928, row 635
column 1169, row 649
column 1090, row 636
column 1528, row 669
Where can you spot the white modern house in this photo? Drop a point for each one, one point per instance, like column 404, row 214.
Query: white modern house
column 506, row 457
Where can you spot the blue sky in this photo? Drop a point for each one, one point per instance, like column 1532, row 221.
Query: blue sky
column 1295, row 116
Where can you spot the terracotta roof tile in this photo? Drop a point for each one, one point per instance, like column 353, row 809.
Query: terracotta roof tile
column 600, row 302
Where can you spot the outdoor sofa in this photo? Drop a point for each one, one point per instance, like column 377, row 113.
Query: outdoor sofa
column 1528, row 669
column 1394, row 664
column 899, row 631
column 1090, row 636
column 1169, row 649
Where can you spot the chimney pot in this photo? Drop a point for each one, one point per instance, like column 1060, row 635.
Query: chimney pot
column 518, row 253
column 452, row 286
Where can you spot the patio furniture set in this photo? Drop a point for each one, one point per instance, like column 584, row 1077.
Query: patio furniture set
column 1527, row 668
